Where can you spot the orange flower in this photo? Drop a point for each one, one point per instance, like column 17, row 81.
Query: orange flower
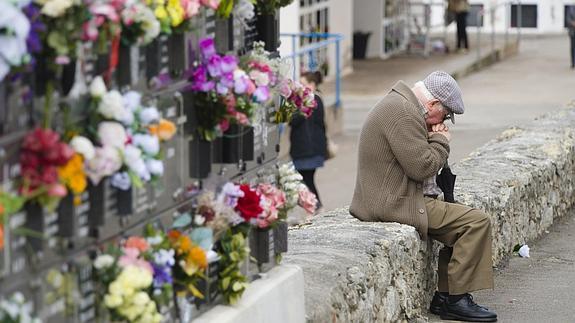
column 174, row 235
column 164, row 130
column 137, row 243
column 185, row 245
column 1, row 236
column 1, row 210
column 198, row 256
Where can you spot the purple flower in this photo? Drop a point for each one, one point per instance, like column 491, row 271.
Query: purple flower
column 262, row 94
column 200, row 80
column 215, row 66
column 229, row 63
column 222, row 89
column 162, row 275
column 207, row 48
column 241, row 85
column 33, row 41
column 227, row 80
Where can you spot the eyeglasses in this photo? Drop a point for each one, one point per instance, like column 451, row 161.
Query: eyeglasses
column 447, row 117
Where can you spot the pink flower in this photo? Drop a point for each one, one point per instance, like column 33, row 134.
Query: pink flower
column 307, row 200
column 131, row 258
column 57, row 190
column 214, row 4
column 191, row 7
column 224, row 124
column 273, row 193
column 242, row 118
column 62, row 60
column 138, row 243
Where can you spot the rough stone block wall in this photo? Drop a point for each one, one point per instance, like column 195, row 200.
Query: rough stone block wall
column 382, row 272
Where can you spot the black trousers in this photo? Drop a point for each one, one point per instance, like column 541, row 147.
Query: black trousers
column 308, row 179
column 461, row 20
column 572, row 38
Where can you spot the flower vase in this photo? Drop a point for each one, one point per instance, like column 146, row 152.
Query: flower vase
column 280, row 237
column 156, row 57
column 248, row 143
column 261, row 245
column 125, row 66
column 125, row 201
column 67, row 222
column 200, row 158
column 267, row 27
column 68, row 77
column 97, row 197
column 177, row 51
column 35, row 222
column 231, row 148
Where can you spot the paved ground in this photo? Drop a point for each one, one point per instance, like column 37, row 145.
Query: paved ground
column 509, row 93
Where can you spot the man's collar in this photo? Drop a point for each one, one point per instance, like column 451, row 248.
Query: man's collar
column 405, row 91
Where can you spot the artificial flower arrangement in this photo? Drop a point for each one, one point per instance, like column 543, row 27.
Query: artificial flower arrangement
column 176, row 15
column 129, row 136
column 17, row 309
column 104, row 24
column 223, row 92
column 296, row 99
column 42, row 154
column 139, row 24
column 296, row 192
column 135, row 280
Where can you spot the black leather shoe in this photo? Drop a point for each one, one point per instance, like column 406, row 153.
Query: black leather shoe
column 436, row 305
column 466, row 309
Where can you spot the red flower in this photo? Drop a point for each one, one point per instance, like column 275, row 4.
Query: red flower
column 249, row 205
column 29, row 160
column 49, row 175
column 41, row 140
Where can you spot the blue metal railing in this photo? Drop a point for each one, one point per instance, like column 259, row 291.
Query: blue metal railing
column 314, row 47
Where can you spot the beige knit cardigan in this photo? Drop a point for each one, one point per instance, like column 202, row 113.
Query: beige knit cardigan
column 396, row 155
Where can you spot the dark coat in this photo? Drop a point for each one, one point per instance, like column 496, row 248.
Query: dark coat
column 307, row 135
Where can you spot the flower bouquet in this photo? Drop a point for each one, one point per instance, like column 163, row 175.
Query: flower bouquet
column 296, row 98
column 14, row 32
column 17, row 309
column 223, row 93
column 131, row 278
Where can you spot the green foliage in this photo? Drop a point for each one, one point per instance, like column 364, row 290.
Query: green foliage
column 234, row 251
column 268, row 7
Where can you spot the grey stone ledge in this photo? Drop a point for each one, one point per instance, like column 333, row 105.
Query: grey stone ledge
column 382, row 272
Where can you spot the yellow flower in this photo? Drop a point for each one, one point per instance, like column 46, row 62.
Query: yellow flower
column 78, row 183
column 176, row 12
column 112, row 301
column 161, row 13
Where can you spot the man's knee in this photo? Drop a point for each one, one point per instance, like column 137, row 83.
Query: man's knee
column 482, row 219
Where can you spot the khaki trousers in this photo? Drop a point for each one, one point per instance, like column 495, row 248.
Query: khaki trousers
column 465, row 263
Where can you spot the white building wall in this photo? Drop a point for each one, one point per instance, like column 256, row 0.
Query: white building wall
column 367, row 18
column 550, row 17
column 340, row 22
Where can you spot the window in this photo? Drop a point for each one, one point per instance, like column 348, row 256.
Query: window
column 474, row 19
column 528, row 16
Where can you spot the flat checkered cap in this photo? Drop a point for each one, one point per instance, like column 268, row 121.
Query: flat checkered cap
column 444, row 88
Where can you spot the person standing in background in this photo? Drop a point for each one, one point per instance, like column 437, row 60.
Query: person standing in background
column 570, row 19
column 461, row 10
column 308, row 143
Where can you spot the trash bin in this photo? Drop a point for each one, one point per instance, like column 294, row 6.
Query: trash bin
column 360, row 44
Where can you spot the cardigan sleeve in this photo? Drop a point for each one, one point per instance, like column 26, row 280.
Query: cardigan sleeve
column 419, row 156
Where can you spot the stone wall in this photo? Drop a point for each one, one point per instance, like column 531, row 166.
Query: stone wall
column 382, row 272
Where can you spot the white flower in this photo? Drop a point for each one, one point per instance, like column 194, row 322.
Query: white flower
column 98, row 88
column 154, row 240
column 103, row 261
column 106, row 161
column 112, row 134
column 260, row 78
column 199, row 220
column 13, row 49
column 83, row 146
column 141, row 298
column 149, row 115
column 164, row 257
column 149, row 144
column 56, row 8
column 121, row 181
column 132, row 100
column 133, row 158
column 155, row 167
column 112, row 106
column 244, row 10
column 524, row 251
